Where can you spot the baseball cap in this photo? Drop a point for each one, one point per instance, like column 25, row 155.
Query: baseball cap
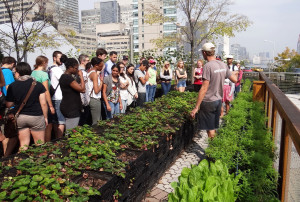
column 125, row 57
column 208, row 47
column 229, row 57
column 151, row 61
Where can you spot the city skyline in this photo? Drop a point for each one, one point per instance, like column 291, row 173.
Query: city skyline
column 273, row 20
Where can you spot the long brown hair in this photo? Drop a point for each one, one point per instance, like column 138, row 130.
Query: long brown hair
column 40, row 60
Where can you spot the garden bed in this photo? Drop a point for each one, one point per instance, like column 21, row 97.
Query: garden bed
column 118, row 159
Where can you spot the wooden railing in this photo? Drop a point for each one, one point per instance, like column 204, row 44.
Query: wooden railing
column 277, row 103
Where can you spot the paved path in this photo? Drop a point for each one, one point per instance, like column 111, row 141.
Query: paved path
column 192, row 155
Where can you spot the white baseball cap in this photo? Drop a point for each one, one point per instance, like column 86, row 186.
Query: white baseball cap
column 208, row 47
column 229, row 57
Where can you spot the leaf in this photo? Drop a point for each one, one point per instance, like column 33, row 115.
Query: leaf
column 46, row 192
column 13, row 194
column 22, row 189
column 185, row 172
column 2, row 195
column 56, row 186
column 33, row 184
column 194, row 176
column 174, row 184
column 37, row 178
column 6, row 184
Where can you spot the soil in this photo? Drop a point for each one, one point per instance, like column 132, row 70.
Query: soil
column 128, row 155
column 92, row 179
column 92, row 182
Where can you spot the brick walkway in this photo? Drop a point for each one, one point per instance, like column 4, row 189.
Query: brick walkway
column 192, row 155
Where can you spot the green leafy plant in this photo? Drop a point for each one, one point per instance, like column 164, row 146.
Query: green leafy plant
column 245, row 145
column 46, row 172
column 205, row 182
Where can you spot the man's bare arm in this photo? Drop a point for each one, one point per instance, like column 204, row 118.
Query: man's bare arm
column 201, row 95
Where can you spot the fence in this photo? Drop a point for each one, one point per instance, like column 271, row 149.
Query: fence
column 284, row 120
column 288, row 82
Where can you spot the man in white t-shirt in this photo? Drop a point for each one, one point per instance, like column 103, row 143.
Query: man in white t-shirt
column 58, row 120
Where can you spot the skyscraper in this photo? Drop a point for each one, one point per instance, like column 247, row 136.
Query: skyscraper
column 67, row 13
column 109, row 11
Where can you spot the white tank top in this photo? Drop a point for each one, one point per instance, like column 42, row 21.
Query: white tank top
column 91, row 86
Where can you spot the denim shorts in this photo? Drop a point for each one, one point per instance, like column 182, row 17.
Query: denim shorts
column 58, row 117
column 181, row 83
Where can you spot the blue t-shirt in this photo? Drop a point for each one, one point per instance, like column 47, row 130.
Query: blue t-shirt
column 8, row 77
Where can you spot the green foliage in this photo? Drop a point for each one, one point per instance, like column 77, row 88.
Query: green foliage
column 244, row 142
column 206, row 182
column 287, row 60
column 47, row 172
column 142, row 128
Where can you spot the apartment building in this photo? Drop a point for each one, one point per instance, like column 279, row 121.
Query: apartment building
column 144, row 33
column 63, row 12
column 89, row 20
column 113, row 37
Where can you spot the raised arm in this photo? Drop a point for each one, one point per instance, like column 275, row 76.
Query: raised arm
column 79, row 87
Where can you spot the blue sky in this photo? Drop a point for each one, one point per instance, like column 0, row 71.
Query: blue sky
column 274, row 20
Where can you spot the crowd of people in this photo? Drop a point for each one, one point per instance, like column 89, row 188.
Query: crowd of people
column 72, row 92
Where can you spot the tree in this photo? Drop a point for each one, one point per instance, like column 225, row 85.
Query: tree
column 1, row 56
column 287, row 60
column 21, row 37
column 207, row 20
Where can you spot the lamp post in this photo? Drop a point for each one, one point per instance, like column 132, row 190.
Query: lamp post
column 131, row 42
column 273, row 61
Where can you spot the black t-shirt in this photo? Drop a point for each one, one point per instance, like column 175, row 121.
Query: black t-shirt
column 70, row 105
column 18, row 90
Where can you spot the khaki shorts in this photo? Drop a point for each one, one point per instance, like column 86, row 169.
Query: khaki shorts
column 35, row 123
